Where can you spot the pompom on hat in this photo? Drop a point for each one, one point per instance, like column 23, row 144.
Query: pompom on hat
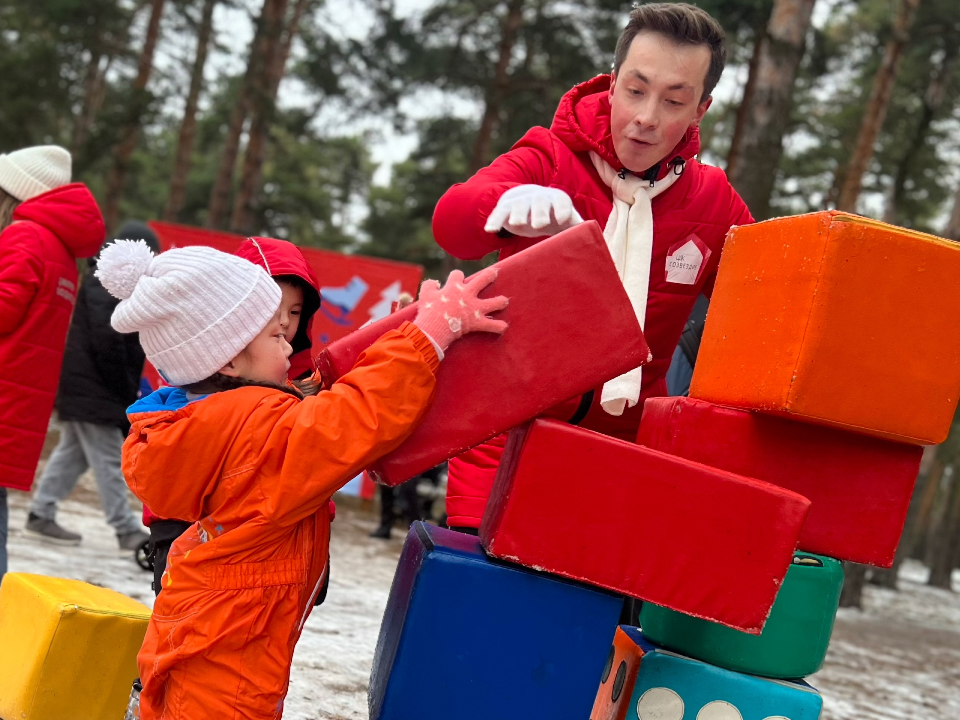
column 195, row 308
column 34, row 170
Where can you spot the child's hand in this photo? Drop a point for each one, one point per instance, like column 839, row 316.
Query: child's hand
column 454, row 310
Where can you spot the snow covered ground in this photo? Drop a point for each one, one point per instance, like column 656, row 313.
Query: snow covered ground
column 898, row 659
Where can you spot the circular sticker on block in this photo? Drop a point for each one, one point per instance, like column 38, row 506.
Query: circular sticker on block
column 609, row 665
column 619, row 680
column 660, row 703
column 719, row 710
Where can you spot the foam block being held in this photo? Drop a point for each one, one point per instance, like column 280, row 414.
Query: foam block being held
column 467, row 637
column 69, row 649
column 562, row 290
column 794, row 640
column 839, row 320
column 673, row 687
column 670, row 531
column 859, row 486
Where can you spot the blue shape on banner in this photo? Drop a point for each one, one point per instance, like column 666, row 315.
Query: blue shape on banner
column 338, row 302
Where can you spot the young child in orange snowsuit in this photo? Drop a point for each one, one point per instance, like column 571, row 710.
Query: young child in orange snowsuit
column 252, row 462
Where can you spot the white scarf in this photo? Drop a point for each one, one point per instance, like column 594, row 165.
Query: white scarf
column 629, row 236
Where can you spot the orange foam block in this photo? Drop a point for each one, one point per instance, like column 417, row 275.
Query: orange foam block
column 838, row 320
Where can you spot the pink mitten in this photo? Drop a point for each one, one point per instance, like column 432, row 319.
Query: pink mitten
column 447, row 313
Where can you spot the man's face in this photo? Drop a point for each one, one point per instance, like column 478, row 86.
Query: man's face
column 655, row 97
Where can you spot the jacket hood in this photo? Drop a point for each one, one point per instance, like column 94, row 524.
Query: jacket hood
column 582, row 121
column 175, row 443
column 282, row 258
column 69, row 212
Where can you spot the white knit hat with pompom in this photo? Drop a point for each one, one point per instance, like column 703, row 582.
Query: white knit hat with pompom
column 195, row 308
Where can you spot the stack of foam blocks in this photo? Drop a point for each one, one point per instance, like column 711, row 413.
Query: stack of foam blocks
column 825, row 366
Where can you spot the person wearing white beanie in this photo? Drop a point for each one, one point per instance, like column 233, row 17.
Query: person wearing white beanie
column 195, row 308
column 46, row 225
column 252, row 463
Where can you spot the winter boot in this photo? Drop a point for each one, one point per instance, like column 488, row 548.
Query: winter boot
column 49, row 531
column 131, row 541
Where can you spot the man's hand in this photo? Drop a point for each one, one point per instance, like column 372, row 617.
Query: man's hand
column 533, row 211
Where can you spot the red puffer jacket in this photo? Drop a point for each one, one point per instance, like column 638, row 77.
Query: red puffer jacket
column 699, row 208
column 38, row 286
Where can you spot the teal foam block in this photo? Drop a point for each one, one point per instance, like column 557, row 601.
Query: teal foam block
column 674, row 687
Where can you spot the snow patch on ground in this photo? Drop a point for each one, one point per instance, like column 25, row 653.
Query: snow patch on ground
column 898, row 659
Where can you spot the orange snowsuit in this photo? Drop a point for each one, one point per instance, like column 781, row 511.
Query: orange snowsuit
column 254, row 468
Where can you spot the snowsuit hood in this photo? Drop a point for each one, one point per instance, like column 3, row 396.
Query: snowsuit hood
column 582, row 121
column 282, row 258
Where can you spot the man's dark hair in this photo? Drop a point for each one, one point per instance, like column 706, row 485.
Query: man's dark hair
column 685, row 25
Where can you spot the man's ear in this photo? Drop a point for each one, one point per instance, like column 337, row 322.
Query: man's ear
column 702, row 109
column 613, row 84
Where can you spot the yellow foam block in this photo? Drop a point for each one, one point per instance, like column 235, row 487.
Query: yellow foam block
column 68, row 650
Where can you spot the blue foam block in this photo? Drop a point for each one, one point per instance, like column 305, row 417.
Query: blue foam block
column 674, row 687
column 468, row 637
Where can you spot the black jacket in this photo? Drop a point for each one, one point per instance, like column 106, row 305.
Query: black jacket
column 101, row 367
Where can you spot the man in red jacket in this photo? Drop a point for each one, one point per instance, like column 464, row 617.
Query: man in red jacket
column 621, row 151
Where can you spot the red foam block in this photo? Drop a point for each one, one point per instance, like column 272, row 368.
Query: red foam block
column 859, row 486
column 571, row 328
column 620, row 516
column 338, row 357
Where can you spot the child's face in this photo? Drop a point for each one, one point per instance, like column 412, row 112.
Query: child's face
column 265, row 359
column 291, row 307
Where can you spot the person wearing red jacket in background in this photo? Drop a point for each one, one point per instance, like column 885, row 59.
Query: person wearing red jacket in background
column 284, row 262
column 622, row 151
column 46, row 224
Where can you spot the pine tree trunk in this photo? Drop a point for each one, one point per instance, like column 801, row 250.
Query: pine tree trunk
column 188, row 126
column 83, row 120
column 877, row 106
column 753, row 167
column 854, row 578
column 128, row 133
column 261, row 118
column 746, row 102
column 952, row 231
column 932, row 102
column 220, row 195
column 943, row 548
column 497, row 92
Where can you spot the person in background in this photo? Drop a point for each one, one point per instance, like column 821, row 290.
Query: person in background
column 685, row 356
column 100, row 380
column 46, row 224
column 411, row 509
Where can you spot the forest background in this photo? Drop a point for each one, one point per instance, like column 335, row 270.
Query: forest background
column 339, row 123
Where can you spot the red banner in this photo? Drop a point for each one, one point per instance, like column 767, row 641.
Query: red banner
column 354, row 289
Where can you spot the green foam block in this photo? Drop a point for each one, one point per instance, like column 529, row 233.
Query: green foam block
column 794, row 640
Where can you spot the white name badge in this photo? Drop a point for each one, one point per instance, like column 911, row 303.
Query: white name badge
column 686, row 260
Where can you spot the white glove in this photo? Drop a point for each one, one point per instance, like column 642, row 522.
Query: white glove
column 533, row 211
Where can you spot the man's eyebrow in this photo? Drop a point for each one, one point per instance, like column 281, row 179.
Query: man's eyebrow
column 676, row 86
